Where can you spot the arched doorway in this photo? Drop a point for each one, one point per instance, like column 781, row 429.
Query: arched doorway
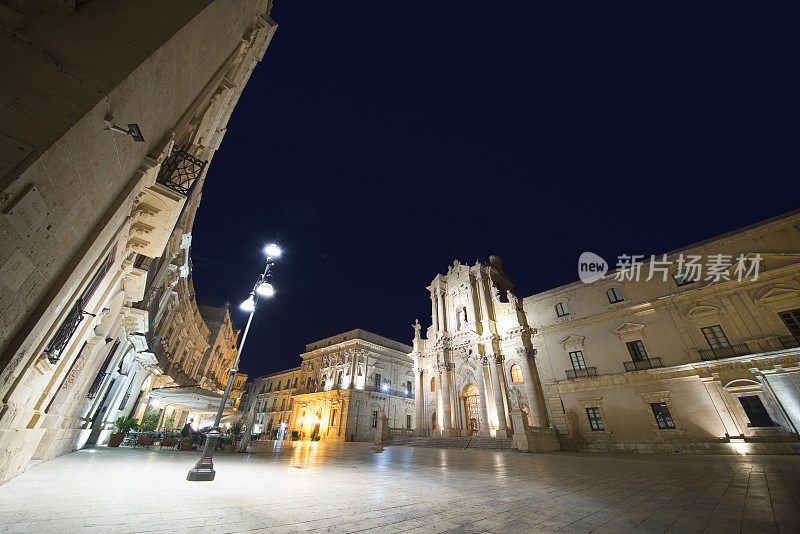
column 472, row 409
column 433, row 421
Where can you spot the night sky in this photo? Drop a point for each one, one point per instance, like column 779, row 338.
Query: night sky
column 378, row 141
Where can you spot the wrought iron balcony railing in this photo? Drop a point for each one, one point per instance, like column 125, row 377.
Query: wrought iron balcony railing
column 638, row 365
column 179, row 171
column 572, row 374
column 725, row 352
column 64, row 332
column 98, row 381
column 789, row 342
column 394, row 392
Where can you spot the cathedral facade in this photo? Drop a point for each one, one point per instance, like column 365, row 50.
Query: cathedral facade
column 674, row 359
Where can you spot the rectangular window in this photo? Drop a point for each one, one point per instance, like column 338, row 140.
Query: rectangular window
column 792, row 320
column 576, row 357
column 755, row 411
column 408, row 387
column 636, row 348
column 562, row 309
column 278, row 388
column 283, row 404
column 333, row 417
column 408, row 421
column 377, row 381
column 374, row 419
column 595, row 422
column 682, row 278
column 614, row 295
column 662, row 415
column 716, row 337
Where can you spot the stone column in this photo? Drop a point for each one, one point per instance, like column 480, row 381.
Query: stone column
column 728, row 421
column 502, row 427
column 483, row 302
column 440, row 301
column 538, row 411
column 434, row 314
column 446, row 410
column 484, row 430
column 419, row 402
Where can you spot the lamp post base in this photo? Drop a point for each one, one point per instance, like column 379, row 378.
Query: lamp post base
column 203, row 470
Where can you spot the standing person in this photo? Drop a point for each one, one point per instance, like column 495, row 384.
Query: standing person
column 187, row 429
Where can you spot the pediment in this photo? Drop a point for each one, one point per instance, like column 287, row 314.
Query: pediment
column 699, row 310
column 774, row 293
column 629, row 328
column 572, row 341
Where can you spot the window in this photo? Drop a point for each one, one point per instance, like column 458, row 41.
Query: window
column 663, row 418
column 374, row 418
column 595, row 422
column 516, row 373
column 682, row 278
column 308, row 383
column 562, row 309
column 716, row 337
column 263, row 389
column 755, row 411
column 333, row 417
column 378, row 381
column 614, row 295
column 576, row 357
column 433, row 384
column 792, row 320
column 283, row 404
column 636, row 348
column 295, row 381
column 408, row 421
column 279, row 386
column 408, row 387
column 269, row 389
column 288, row 384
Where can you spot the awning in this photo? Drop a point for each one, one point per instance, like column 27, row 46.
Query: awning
column 190, row 398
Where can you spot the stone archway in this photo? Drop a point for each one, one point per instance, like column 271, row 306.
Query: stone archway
column 472, row 411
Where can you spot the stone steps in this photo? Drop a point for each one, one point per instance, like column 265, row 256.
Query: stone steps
column 454, row 442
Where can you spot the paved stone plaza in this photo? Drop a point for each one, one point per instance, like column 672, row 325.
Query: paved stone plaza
column 353, row 487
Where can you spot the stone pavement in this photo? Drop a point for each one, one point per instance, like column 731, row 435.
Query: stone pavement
column 353, row 487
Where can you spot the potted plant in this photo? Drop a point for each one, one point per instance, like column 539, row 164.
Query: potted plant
column 124, row 425
column 236, row 430
column 186, row 443
column 170, row 439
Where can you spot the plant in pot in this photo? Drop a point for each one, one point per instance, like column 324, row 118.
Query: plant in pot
column 186, row 443
column 124, row 425
column 236, row 430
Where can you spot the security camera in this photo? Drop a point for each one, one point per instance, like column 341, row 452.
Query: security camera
column 133, row 129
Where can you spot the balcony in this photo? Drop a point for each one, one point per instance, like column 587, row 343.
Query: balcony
column 639, row 365
column 393, row 392
column 179, row 171
column 725, row 352
column 789, row 342
column 588, row 372
column 62, row 336
column 98, row 381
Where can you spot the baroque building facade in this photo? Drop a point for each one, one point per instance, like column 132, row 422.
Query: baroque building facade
column 86, row 210
column 343, row 388
column 676, row 363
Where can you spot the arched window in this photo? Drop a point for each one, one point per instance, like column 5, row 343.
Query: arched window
column 516, row 373
column 433, row 383
column 614, row 295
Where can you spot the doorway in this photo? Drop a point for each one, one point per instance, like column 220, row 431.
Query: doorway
column 472, row 409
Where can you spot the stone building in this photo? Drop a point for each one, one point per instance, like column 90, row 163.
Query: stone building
column 690, row 360
column 342, row 387
column 87, row 203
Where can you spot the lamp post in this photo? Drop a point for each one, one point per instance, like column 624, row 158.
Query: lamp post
column 204, row 468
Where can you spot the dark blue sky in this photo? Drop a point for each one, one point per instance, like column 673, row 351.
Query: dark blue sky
column 378, row 142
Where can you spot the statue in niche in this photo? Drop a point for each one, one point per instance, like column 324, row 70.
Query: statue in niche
column 417, row 327
column 464, row 319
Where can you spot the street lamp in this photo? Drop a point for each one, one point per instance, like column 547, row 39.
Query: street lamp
column 204, row 468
